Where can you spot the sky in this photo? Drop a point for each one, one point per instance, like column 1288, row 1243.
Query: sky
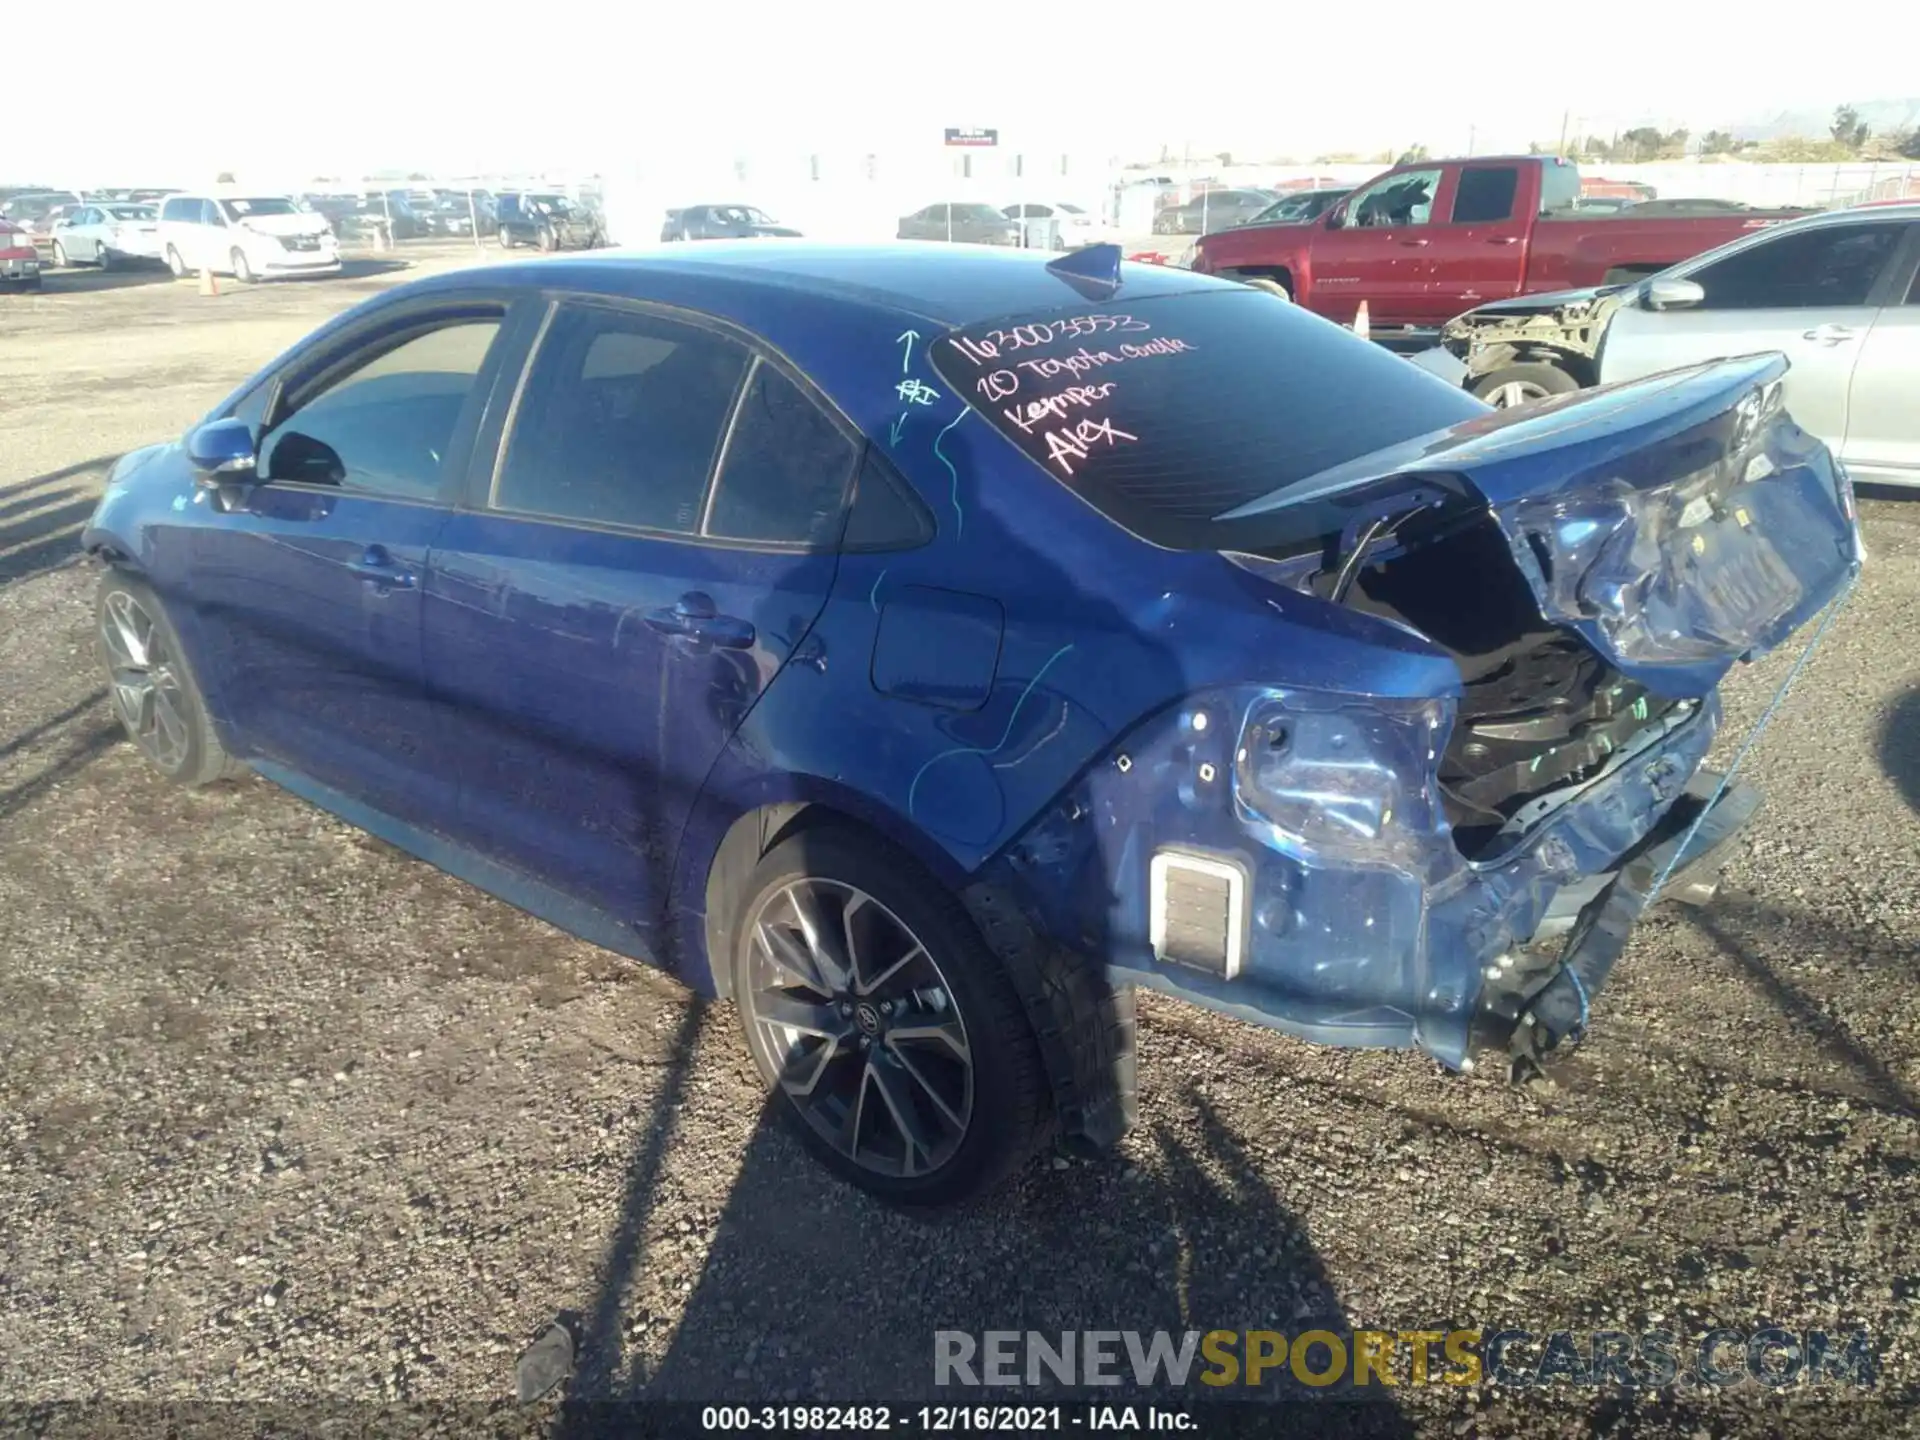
column 361, row 85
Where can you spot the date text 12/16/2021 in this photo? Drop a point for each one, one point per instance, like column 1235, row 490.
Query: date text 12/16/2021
column 943, row 1419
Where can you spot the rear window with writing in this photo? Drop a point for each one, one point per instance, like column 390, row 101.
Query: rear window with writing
column 1169, row 412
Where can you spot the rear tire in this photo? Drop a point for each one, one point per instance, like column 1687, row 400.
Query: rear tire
column 151, row 686
column 59, row 256
column 923, row 1023
column 1515, row 385
column 505, row 239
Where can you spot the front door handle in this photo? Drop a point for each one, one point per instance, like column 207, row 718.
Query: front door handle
column 1830, row 334
column 693, row 617
column 378, row 569
column 1503, row 240
column 1415, row 241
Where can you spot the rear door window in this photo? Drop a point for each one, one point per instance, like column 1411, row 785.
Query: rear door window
column 783, row 478
column 1485, row 194
column 1169, row 412
column 620, row 421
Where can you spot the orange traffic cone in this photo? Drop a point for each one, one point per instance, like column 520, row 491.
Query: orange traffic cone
column 1360, row 325
column 208, row 285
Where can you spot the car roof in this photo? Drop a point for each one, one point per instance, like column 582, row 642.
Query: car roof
column 951, row 285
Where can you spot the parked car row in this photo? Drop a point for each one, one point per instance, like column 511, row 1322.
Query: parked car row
column 1032, row 224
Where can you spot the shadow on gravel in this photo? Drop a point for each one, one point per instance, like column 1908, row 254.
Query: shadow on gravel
column 41, row 531
column 90, row 281
column 102, row 463
column 27, row 737
column 1900, row 747
column 1749, row 933
column 812, row 1292
column 89, row 745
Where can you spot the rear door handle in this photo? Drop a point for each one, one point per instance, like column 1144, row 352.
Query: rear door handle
column 1830, row 334
column 380, row 570
column 1414, row 240
column 1503, row 240
column 693, row 617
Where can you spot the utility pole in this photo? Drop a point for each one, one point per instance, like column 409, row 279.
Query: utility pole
column 1565, row 116
column 1472, row 131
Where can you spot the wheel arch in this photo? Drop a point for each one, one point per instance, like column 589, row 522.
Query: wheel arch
column 109, row 549
column 1492, row 359
column 713, row 878
column 1084, row 1024
column 1280, row 275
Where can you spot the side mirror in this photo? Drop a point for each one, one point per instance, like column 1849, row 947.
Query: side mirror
column 1667, row 293
column 223, row 452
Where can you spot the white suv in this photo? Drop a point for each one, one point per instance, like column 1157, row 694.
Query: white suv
column 250, row 237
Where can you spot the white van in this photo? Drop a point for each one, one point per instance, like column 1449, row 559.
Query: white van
column 250, row 237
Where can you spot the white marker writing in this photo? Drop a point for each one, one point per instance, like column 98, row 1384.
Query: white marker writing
column 1076, row 441
column 1056, row 407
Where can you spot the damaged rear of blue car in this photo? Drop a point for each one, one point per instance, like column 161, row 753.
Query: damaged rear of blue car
column 1429, row 769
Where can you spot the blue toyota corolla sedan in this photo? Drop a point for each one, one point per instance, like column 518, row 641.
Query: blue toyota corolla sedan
column 922, row 646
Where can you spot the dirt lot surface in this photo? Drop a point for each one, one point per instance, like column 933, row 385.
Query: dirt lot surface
column 285, row 1114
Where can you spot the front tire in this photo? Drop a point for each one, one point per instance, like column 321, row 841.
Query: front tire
column 152, row 687
column 242, row 267
column 893, row 1040
column 176, row 264
column 59, row 256
column 1515, row 385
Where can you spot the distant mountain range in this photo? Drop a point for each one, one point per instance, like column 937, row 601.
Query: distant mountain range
column 1884, row 116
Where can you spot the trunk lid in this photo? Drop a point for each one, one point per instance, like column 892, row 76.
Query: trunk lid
column 1677, row 524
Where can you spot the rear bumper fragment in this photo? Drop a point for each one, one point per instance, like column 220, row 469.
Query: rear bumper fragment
column 1550, row 1014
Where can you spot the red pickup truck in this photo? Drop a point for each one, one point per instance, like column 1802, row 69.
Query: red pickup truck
column 1428, row 240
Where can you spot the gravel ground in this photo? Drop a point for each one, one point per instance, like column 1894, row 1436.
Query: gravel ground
column 286, row 1115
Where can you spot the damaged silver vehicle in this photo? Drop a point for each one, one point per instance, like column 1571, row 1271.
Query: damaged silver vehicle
column 1837, row 294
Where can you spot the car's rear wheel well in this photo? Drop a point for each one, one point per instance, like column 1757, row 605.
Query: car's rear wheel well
column 746, row 842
